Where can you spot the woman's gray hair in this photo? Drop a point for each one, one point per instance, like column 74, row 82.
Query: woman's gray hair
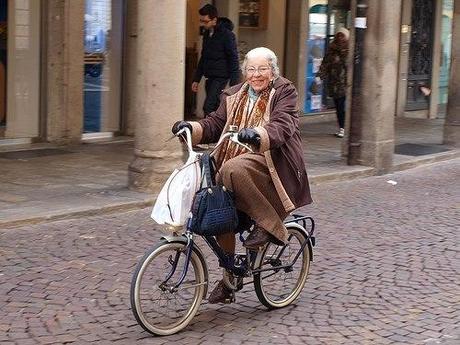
column 266, row 53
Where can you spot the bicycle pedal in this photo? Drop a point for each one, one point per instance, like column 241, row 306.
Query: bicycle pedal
column 230, row 299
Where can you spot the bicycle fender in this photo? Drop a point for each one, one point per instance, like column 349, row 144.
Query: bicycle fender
column 183, row 239
column 302, row 229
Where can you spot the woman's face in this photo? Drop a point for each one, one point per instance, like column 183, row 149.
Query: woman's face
column 258, row 73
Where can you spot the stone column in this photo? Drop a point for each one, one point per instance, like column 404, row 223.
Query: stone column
column 159, row 91
column 64, row 70
column 295, row 49
column 372, row 120
column 129, row 69
column 452, row 122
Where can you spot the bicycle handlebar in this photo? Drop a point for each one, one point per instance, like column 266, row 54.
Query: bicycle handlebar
column 231, row 134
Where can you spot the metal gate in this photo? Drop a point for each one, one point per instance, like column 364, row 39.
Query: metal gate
column 420, row 55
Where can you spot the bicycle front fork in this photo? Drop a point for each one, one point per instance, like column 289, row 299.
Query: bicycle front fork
column 174, row 263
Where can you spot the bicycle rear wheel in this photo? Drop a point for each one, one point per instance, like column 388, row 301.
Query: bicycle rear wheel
column 157, row 306
column 279, row 287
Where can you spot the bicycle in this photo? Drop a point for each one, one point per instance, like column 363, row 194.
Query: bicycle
column 181, row 283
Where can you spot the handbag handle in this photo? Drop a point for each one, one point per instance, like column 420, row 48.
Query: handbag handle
column 207, row 170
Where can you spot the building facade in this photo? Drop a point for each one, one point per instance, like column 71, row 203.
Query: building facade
column 77, row 69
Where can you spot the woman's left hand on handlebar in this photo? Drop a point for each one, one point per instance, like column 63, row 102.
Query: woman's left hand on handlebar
column 249, row 136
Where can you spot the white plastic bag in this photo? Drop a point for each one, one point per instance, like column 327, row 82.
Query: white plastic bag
column 175, row 199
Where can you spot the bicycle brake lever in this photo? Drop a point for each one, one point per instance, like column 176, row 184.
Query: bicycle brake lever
column 235, row 140
column 178, row 135
column 170, row 138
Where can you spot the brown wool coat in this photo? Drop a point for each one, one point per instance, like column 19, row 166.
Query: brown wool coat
column 281, row 142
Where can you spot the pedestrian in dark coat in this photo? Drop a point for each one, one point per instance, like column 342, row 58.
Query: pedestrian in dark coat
column 219, row 57
column 272, row 181
column 334, row 70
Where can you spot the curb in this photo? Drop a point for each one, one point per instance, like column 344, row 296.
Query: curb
column 416, row 162
column 341, row 176
column 134, row 205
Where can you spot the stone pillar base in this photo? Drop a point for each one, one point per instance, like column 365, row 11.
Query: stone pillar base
column 452, row 135
column 147, row 174
column 378, row 155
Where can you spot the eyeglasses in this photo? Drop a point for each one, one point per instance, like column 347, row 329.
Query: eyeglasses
column 260, row 70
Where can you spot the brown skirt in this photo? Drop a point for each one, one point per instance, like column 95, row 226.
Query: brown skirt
column 247, row 176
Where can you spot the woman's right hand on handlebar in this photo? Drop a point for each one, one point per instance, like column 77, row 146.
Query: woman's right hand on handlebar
column 180, row 125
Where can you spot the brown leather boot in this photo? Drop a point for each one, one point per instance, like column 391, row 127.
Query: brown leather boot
column 221, row 294
column 258, row 238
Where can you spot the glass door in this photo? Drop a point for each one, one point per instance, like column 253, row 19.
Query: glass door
column 325, row 18
column 420, row 55
column 446, row 45
column 102, row 65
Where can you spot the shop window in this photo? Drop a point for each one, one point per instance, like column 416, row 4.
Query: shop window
column 446, row 45
column 324, row 20
column 102, row 65
column 3, row 56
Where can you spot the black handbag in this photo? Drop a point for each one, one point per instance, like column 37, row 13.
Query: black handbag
column 213, row 208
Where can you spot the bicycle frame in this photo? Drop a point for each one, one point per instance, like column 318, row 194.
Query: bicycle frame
column 228, row 261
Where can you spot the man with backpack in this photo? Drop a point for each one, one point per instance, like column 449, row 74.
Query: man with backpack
column 219, row 57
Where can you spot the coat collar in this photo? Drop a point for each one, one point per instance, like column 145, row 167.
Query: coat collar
column 280, row 81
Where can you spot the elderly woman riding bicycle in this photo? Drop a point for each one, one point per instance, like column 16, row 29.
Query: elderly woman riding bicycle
column 272, row 181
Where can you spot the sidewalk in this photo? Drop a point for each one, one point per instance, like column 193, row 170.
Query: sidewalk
column 43, row 182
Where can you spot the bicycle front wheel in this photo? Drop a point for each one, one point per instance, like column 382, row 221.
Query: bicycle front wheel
column 158, row 307
column 278, row 287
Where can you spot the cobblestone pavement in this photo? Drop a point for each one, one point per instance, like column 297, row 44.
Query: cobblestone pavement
column 385, row 271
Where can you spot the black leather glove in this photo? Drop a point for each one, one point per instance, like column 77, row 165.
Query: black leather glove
column 249, row 136
column 180, row 125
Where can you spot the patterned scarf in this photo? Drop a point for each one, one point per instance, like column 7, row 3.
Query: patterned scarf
column 244, row 117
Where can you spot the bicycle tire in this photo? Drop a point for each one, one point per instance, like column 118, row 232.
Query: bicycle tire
column 267, row 296
column 159, row 325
